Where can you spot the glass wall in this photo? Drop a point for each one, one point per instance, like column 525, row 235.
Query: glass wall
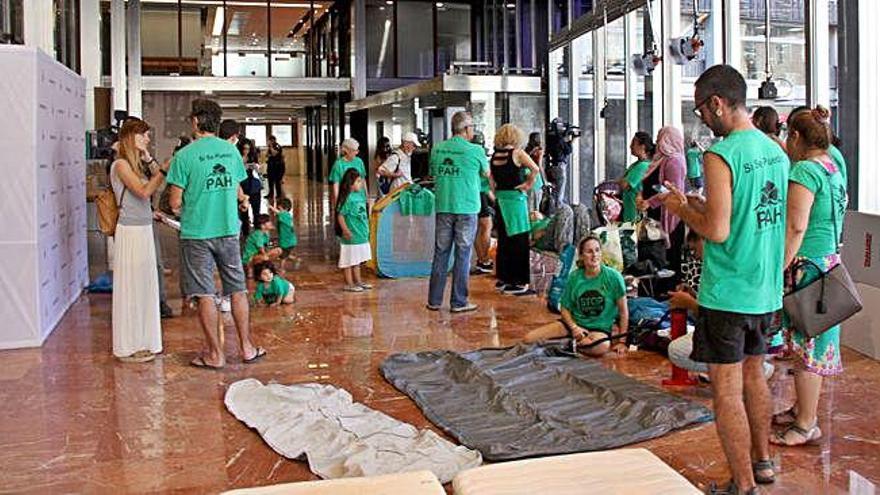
column 558, row 15
column 644, row 90
column 415, row 44
column 66, row 32
column 380, row 39
column 583, row 53
column 453, row 33
column 616, row 140
column 787, row 48
column 704, row 19
column 259, row 38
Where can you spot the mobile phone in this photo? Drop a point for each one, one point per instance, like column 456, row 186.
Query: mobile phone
column 660, row 188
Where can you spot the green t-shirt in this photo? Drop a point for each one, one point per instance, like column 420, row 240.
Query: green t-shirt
column 539, row 181
column 743, row 274
column 355, row 213
column 820, row 237
column 593, row 301
column 339, row 168
column 694, row 159
column 253, row 244
column 286, row 233
column 837, row 156
column 634, row 175
column 209, row 171
column 457, row 167
column 274, row 290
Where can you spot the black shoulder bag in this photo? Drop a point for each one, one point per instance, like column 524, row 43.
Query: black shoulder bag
column 826, row 301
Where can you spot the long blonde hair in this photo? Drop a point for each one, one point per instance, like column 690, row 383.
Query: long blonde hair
column 128, row 150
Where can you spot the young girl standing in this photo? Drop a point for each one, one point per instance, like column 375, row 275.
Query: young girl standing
column 353, row 231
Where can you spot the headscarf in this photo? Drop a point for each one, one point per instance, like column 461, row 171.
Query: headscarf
column 670, row 142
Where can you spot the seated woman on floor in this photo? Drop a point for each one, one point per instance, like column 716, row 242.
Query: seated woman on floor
column 593, row 305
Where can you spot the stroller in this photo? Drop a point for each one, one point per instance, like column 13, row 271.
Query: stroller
column 607, row 202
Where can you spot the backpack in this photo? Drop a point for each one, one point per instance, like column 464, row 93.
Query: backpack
column 108, row 210
column 385, row 182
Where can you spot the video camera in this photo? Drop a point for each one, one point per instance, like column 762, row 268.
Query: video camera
column 101, row 140
column 560, row 134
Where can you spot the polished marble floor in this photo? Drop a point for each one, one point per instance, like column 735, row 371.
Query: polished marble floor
column 74, row 420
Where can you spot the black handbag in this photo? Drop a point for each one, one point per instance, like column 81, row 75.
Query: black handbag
column 826, row 301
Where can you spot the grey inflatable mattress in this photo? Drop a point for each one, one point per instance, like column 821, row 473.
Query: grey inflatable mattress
column 528, row 401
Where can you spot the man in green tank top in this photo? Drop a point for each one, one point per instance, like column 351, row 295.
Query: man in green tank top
column 743, row 222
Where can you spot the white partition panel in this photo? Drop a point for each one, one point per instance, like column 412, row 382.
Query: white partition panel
column 43, row 257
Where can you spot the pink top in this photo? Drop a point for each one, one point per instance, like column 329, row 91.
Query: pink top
column 669, row 157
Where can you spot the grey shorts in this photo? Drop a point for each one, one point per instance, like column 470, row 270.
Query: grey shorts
column 722, row 337
column 197, row 260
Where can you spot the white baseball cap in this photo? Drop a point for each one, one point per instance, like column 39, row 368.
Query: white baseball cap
column 411, row 137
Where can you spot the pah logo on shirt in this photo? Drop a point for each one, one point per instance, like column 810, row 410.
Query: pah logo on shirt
column 591, row 303
column 769, row 210
column 218, row 179
column 448, row 168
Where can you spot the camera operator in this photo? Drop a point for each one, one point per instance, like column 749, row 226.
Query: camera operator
column 559, row 138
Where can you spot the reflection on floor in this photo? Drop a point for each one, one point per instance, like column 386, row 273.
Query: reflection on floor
column 72, row 419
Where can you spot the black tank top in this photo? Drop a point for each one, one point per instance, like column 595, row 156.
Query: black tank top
column 504, row 170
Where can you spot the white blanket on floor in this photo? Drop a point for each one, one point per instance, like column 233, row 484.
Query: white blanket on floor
column 341, row 438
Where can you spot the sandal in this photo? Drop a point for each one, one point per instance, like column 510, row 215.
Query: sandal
column 200, row 362
column 809, row 436
column 259, row 354
column 143, row 356
column 786, row 417
column 761, row 466
column 731, row 489
column 353, row 288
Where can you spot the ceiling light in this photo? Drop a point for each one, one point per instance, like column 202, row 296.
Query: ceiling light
column 439, row 5
column 389, row 2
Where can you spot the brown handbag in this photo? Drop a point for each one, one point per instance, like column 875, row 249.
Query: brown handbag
column 826, row 301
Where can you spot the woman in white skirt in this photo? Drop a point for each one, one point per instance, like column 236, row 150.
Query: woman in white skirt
column 135, row 176
column 353, row 230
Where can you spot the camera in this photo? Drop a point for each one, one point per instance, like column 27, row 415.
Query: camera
column 101, row 140
column 560, row 134
column 768, row 90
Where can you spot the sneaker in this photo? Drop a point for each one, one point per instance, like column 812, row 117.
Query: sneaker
column 464, row 309
column 225, row 305
column 500, row 285
column 487, row 267
column 431, row 307
column 353, row 288
column 365, row 286
column 516, row 289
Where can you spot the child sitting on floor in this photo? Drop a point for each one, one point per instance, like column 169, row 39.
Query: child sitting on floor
column 286, row 233
column 256, row 247
column 353, row 230
column 272, row 289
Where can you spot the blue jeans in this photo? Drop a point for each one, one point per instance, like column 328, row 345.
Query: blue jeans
column 449, row 228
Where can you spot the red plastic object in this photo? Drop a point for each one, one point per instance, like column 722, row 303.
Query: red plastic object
column 680, row 376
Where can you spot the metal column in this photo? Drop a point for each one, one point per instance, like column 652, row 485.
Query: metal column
column 359, row 49
column 671, row 13
column 600, row 88
column 117, row 55
column 90, row 56
column 133, row 23
column 631, row 81
column 819, row 81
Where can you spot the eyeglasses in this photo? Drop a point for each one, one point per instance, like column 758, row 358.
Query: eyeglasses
column 697, row 111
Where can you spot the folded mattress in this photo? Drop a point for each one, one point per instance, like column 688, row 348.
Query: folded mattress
column 534, row 400
column 412, row 483
column 341, row 438
column 624, row 472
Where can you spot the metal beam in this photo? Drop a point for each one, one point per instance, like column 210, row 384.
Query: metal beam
column 220, row 84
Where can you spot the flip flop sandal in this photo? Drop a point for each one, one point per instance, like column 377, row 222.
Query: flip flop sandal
column 731, row 489
column 786, row 417
column 764, row 465
column 259, row 355
column 810, row 436
column 199, row 362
